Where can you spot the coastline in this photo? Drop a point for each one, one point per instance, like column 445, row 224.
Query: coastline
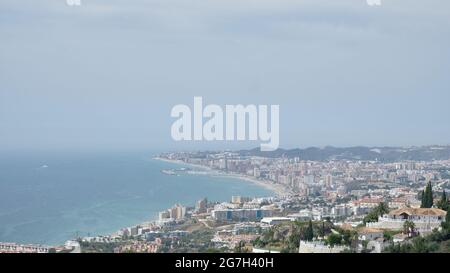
column 277, row 189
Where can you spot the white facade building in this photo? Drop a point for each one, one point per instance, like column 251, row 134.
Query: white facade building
column 424, row 219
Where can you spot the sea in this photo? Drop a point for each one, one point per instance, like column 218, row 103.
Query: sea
column 48, row 198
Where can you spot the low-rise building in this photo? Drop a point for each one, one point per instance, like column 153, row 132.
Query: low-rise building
column 368, row 234
column 377, row 245
column 276, row 220
column 240, row 214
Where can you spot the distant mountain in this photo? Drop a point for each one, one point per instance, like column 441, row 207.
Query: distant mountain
column 385, row 154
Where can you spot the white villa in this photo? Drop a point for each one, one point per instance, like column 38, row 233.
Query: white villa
column 425, row 220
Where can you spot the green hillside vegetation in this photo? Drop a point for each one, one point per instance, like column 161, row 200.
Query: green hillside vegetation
column 286, row 237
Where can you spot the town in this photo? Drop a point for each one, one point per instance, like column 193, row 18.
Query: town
column 326, row 206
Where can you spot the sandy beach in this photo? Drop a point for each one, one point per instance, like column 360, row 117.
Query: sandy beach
column 278, row 189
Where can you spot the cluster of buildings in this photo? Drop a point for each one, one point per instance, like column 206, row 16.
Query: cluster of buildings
column 244, row 219
column 177, row 212
column 333, row 178
column 341, row 191
column 243, row 209
column 139, row 247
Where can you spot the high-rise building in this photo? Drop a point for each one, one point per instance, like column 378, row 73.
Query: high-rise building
column 164, row 215
column 240, row 199
column 328, row 181
column 201, row 205
column 177, row 212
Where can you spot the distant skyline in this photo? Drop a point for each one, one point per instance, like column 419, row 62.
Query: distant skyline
column 105, row 75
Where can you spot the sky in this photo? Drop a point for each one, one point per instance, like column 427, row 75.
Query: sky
column 106, row 74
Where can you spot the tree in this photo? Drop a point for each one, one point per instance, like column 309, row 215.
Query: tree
column 322, row 230
column 443, row 203
column 309, row 233
column 387, row 236
column 422, row 205
column 421, row 245
column 334, row 239
column 349, row 237
column 446, row 224
column 430, row 195
column 240, row 248
column 409, row 228
column 380, row 210
column 427, row 197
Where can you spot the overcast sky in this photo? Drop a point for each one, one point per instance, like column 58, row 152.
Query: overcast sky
column 105, row 75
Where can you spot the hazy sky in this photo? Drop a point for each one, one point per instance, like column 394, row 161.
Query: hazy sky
column 106, row 74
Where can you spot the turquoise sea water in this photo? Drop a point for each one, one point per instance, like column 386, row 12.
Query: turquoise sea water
column 49, row 199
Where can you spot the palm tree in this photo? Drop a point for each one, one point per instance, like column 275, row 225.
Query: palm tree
column 409, row 228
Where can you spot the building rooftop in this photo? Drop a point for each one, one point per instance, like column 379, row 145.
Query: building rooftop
column 366, row 230
column 419, row 211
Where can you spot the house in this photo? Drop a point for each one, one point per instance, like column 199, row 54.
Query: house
column 424, row 219
column 374, row 238
column 377, row 245
column 369, row 234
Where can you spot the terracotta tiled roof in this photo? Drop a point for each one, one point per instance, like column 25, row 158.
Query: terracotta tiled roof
column 365, row 230
column 419, row 211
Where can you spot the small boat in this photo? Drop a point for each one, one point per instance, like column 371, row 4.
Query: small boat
column 168, row 172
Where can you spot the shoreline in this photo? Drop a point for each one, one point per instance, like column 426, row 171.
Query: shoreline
column 277, row 189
